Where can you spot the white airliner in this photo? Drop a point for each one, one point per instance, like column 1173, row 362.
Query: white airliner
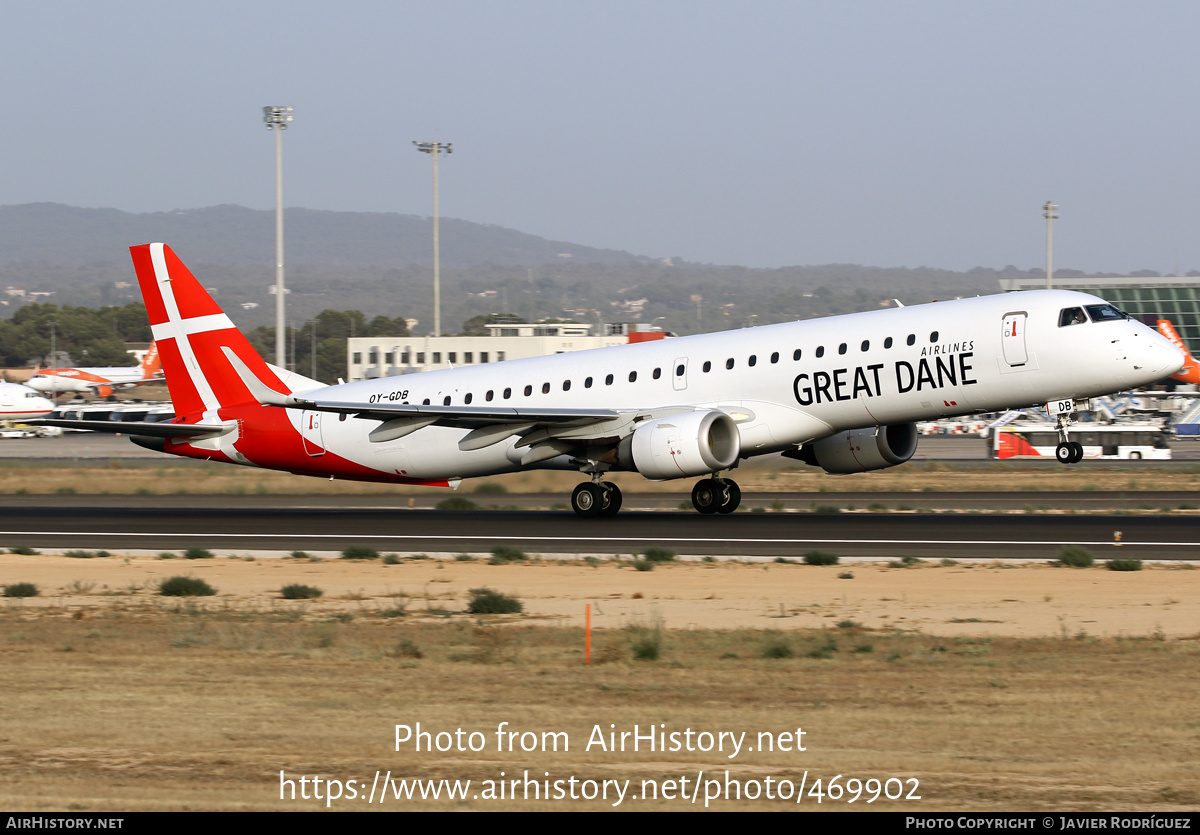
column 842, row 393
column 19, row 402
column 98, row 381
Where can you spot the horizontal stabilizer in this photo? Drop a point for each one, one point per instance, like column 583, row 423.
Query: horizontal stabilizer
column 137, row 427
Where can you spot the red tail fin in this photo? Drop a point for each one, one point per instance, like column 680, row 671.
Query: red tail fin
column 190, row 330
column 150, row 363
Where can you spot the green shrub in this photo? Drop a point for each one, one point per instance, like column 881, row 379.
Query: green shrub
column 659, row 555
column 197, row 554
column 456, row 503
column 492, row 602
column 391, row 559
column 359, row 552
column 463, row 558
column 647, row 646
column 777, row 648
column 1075, row 556
column 820, row 558
column 185, row 587
column 1123, row 565
column 846, row 575
column 502, row 554
column 23, row 550
column 297, row 591
column 86, row 555
column 491, row 487
column 21, row 590
column 642, row 565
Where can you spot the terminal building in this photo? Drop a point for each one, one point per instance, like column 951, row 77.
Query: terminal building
column 381, row 356
column 1176, row 298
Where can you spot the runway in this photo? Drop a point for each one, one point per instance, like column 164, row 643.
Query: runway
column 223, row 527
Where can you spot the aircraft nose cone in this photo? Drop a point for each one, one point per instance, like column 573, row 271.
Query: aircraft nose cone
column 1162, row 358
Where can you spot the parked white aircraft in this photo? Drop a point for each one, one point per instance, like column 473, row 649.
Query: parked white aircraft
column 99, row 381
column 842, row 393
column 19, row 402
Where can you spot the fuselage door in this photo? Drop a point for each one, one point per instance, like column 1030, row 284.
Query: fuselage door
column 679, row 374
column 1013, row 339
column 310, row 430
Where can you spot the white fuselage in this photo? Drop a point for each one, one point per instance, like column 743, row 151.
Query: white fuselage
column 784, row 385
column 19, row 402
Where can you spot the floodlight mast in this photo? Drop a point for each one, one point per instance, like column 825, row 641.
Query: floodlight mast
column 277, row 119
column 1050, row 212
column 435, row 149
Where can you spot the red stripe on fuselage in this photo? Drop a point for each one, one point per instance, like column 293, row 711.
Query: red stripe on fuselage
column 267, row 438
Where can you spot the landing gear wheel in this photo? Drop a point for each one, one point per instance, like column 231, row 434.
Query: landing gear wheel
column 706, row 496
column 730, row 495
column 1077, row 452
column 588, row 499
column 1065, row 453
column 610, row 502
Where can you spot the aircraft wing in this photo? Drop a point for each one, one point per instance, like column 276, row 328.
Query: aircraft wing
column 488, row 424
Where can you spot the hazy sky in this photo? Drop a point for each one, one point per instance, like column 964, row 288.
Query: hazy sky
column 894, row 133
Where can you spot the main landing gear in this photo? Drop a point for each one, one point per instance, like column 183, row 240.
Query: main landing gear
column 596, row 498
column 716, row 495
column 603, row 498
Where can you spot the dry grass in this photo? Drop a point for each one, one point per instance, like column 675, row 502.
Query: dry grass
column 116, row 699
column 172, row 476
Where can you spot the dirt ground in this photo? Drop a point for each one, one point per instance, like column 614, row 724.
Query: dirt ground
column 985, row 598
column 932, row 687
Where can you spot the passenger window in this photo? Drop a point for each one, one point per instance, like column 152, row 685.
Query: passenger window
column 466, row 400
column 729, row 363
column 752, row 361
column 796, row 354
column 528, row 390
column 566, row 385
column 933, row 337
column 887, row 343
column 912, row 339
column 489, row 396
column 707, row 366
column 775, row 357
column 632, row 376
column 587, row 384
column 545, row 388
column 425, row 402
column 866, row 345
column 842, row 348
column 679, row 369
column 507, row 393
column 446, row 402
column 1072, row 316
column 820, row 351
column 608, row 380
column 657, row 373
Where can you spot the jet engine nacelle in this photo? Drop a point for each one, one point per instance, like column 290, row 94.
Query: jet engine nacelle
column 687, row 444
column 860, row 450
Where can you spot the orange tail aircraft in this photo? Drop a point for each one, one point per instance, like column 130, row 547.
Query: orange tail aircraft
column 1191, row 368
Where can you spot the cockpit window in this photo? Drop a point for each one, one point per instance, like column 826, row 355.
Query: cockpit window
column 1072, row 316
column 1105, row 313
